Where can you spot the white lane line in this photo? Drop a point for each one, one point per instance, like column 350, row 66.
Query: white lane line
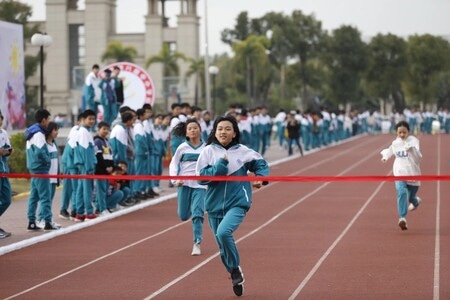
column 75, row 227
column 437, row 241
column 270, row 221
column 331, row 248
column 153, row 202
column 95, row 260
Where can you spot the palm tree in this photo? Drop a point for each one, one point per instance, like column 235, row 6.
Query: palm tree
column 118, row 52
column 169, row 60
column 197, row 68
column 251, row 53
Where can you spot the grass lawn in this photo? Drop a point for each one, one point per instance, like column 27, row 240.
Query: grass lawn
column 19, row 185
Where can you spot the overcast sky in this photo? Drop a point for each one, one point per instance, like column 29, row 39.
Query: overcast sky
column 400, row 17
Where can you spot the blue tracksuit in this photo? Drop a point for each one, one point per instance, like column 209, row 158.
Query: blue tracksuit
column 142, row 153
column 191, row 196
column 85, row 161
column 69, row 185
column 38, row 162
column 227, row 202
column 5, row 187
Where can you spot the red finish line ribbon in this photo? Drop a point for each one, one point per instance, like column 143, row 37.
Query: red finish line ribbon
column 242, row 178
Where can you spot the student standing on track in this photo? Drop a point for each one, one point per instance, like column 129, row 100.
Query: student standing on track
column 104, row 166
column 69, row 184
column 227, row 202
column 407, row 163
column 191, row 195
column 38, row 162
column 85, row 161
column 50, row 136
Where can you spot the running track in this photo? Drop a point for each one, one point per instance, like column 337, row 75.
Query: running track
column 310, row 240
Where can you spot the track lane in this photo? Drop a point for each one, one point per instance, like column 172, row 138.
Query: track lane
column 263, row 265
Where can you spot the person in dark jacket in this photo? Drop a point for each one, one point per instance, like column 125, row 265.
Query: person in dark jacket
column 293, row 133
column 104, row 166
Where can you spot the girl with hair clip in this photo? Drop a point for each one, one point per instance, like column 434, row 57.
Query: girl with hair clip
column 227, row 202
column 191, row 195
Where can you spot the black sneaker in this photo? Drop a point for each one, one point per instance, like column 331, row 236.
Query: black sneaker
column 237, row 279
column 64, row 214
column 33, row 227
column 152, row 193
column 49, row 226
column 73, row 215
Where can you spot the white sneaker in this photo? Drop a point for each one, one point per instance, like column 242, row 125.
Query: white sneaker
column 40, row 224
column 402, row 224
column 196, row 250
column 411, row 206
column 104, row 213
column 158, row 189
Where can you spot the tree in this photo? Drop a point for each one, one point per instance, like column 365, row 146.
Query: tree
column 428, row 56
column 305, row 37
column 252, row 54
column 169, row 60
column 118, row 52
column 346, row 60
column 241, row 30
column 196, row 68
column 386, row 68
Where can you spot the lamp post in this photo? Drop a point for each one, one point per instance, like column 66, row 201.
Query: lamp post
column 42, row 40
column 213, row 70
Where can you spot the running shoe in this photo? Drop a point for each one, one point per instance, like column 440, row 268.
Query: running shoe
column 402, row 224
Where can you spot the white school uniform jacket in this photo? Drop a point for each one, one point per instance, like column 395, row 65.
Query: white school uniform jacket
column 223, row 195
column 184, row 162
column 407, row 157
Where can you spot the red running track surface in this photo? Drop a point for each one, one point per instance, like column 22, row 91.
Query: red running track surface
column 314, row 240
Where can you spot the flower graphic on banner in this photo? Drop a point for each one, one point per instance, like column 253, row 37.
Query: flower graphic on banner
column 13, row 86
column 14, row 58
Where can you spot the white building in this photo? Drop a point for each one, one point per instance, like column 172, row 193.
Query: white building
column 80, row 36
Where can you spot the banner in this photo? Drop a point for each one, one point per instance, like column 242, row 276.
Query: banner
column 138, row 87
column 12, row 76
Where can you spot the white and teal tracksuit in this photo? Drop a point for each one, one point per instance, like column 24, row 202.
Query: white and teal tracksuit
column 191, row 195
column 119, row 144
column 148, row 128
column 69, row 185
column 108, row 99
column 54, row 168
column 227, row 202
column 85, row 161
column 407, row 163
column 159, row 149
column 5, row 187
column 141, row 151
column 38, row 162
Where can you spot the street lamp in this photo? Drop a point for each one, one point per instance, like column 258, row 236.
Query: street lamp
column 213, row 70
column 42, row 40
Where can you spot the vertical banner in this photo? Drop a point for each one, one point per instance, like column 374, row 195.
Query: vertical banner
column 12, row 76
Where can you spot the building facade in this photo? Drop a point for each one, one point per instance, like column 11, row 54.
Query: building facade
column 80, row 37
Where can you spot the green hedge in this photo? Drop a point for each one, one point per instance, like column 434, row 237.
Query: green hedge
column 17, row 161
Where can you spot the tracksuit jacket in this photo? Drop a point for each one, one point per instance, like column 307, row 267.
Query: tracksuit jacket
column 223, row 195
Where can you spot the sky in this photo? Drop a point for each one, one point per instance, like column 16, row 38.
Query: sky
column 399, row 17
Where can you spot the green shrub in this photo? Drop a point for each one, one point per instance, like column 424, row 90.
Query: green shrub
column 17, row 161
